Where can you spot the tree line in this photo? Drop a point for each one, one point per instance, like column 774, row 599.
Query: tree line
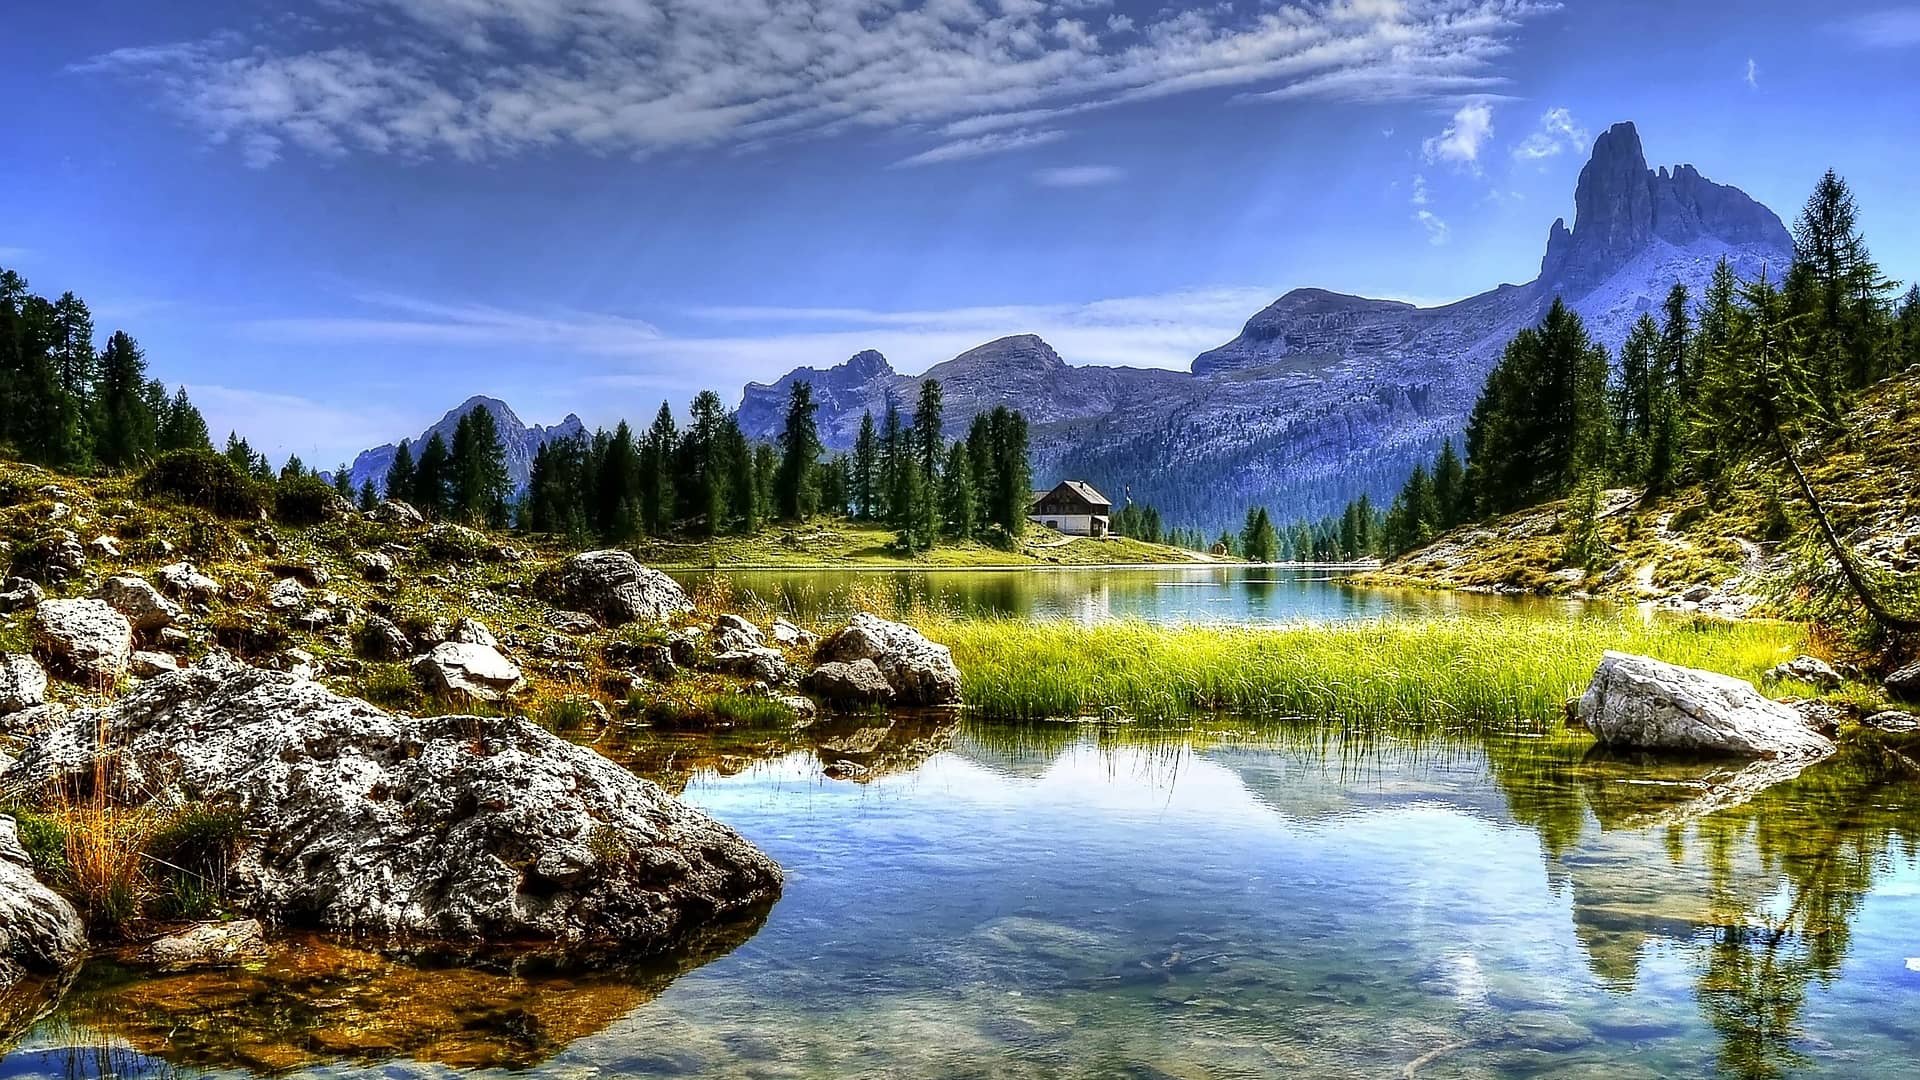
column 67, row 405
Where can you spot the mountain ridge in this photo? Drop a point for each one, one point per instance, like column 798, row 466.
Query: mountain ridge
column 519, row 440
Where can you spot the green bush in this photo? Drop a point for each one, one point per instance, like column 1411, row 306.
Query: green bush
column 304, row 500
column 206, row 481
column 45, row 840
column 563, row 715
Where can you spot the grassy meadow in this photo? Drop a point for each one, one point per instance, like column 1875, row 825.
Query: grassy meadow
column 1500, row 671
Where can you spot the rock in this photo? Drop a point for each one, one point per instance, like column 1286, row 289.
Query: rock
column 785, row 633
column 312, row 575
column 572, row 622
column 919, row 671
column 380, row 639
column 103, row 547
column 298, row 663
column 23, row 684
column 210, row 945
column 859, row 682
column 286, row 596
column 470, row 631
column 40, row 933
column 446, row 540
column 54, row 558
column 613, row 587
column 757, row 662
column 31, row 722
column 802, row 707
column 182, row 582
column 1892, row 723
column 19, row 594
column 683, row 646
column 374, row 565
column 1638, row 702
column 146, row 665
column 464, row 828
column 86, row 639
column 394, row 512
column 1697, row 593
column 651, row 657
column 1904, row 684
column 477, row 671
column 1807, row 669
column 173, row 638
column 139, row 601
column 732, row 633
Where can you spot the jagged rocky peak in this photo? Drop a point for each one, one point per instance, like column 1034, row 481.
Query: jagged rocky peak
column 519, row 440
column 1621, row 207
column 867, row 364
column 1003, row 355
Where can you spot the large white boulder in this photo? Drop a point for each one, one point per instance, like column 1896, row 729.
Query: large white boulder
column 182, row 581
column 137, row 599
column 463, row 828
column 86, row 639
column 1638, row 702
column 921, row 672
column 613, row 587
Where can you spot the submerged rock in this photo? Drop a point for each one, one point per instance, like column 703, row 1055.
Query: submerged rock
column 209, row 945
column 919, row 671
column 40, row 933
column 1643, row 703
column 479, row 829
column 857, row 683
column 613, row 587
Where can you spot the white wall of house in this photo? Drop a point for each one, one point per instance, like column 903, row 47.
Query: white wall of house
column 1072, row 524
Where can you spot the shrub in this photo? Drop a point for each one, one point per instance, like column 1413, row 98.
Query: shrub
column 193, row 854
column 206, row 481
column 391, row 686
column 45, row 839
column 565, row 714
column 304, row 500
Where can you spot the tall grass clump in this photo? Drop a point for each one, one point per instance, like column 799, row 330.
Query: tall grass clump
column 1497, row 671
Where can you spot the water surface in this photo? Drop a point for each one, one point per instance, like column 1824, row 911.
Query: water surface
column 984, row 900
column 1242, row 594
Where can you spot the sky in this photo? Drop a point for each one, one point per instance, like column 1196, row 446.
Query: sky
column 333, row 220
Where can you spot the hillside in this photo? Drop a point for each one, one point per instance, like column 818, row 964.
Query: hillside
column 1322, row 395
column 1715, row 551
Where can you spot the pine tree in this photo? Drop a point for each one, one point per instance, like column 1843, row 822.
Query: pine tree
column 800, row 450
column 294, row 469
column 703, row 480
column 893, row 457
column 927, row 422
column 400, row 482
column 866, row 462
column 1449, row 494
column 431, row 479
column 125, row 426
column 369, row 495
column 1012, row 493
column 619, row 511
column 1632, row 398
column 184, row 428
column 1542, row 420
column 477, row 464
column 342, row 482
column 72, row 349
column 1835, row 284
column 656, row 473
column 958, row 501
column 918, row 511
column 743, row 490
column 1258, row 541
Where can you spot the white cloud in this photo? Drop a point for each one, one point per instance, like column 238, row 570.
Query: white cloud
column 1894, row 28
column 1753, row 73
column 996, row 142
column 1437, row 231
column 1078, row 176
column 406, row 320
column 1460, row 141
column 1419, row 189
column 485, row 79
column 1558, row 131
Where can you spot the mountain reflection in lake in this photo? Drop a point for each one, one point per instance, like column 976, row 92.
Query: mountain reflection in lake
column 1241, row 594
column 1214, row 901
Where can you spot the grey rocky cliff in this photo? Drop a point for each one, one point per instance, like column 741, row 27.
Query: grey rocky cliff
column 482, row 829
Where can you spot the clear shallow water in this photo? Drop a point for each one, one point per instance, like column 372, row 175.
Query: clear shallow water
column 1160, row 594
column 982, row 900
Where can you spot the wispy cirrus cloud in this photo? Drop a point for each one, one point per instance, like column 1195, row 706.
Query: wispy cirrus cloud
column 487, row 79
column 1557, row 133
column 1079, row 176
column 405, row 320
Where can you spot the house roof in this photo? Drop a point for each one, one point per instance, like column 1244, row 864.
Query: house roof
column 1078, row 489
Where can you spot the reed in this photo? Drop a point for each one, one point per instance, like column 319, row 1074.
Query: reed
column 1466, row 672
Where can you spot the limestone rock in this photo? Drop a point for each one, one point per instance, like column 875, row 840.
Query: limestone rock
column 614, row 588
column 374, row 565
column 40, row 933
column 857, row 682
column 470, row 631
column 83, row 638
column 1892, row 723
column 1638, row 702
column 1807, row 669
column 920, row 672
column 394, row 512
column 731, row 633
column 209, row 945
column 146, row 665
column 182, row 582
column 572, row 622
column 463, row 828
column 19, row 594
column 785, row 633
column 139, row 601
column 477, row 671
column 758, row 662
column 1905, row 683
column 380, row 639
column 23, row 684
column 103, row 547
column 286, row 596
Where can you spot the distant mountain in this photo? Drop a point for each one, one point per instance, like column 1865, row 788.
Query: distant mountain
column 1322, row 395
column 520, row 440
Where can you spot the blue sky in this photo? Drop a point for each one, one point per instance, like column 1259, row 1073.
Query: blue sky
column 334, row 220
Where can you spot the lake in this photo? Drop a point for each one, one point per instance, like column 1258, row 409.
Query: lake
column 1219, row 900
column 1242, row 594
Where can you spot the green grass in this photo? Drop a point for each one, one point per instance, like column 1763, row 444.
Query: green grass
column 1482, row 671
column 834, row 542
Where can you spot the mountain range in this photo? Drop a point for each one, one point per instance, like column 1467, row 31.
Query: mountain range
column 1321, row 396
